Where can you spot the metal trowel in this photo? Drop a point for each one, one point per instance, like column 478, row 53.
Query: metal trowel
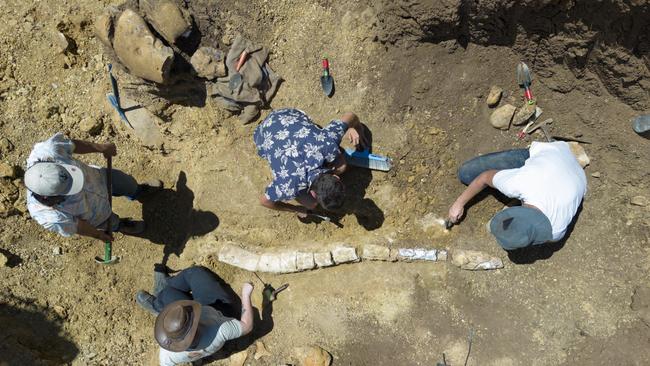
column 326, row 80
column 525, row 80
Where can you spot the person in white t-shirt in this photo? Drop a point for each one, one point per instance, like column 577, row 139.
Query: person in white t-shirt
column 546, row 178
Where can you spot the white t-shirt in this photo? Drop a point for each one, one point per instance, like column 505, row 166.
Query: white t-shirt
column 214, row 330
column 91, row 204
column 551, row 180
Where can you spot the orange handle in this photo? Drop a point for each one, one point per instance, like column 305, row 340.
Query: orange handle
column 241, row 61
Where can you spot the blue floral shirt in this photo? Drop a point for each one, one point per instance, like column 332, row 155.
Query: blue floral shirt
column 297, row 150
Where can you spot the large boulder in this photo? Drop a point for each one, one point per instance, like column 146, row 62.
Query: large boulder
column 167, row 18
column 139, row 50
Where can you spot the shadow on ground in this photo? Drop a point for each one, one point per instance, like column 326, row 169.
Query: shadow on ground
column 172, row 220
column 32, row 335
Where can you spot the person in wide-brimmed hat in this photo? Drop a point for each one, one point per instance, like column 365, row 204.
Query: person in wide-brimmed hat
column 192, row 328
column 69, row 197
column 547, row 179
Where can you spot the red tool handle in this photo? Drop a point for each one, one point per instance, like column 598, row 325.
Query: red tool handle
column 242, row 59
column 326, row 64
column 528, row 94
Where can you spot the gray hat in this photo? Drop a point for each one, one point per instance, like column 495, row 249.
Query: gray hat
column 518, row 227
column 54, row 179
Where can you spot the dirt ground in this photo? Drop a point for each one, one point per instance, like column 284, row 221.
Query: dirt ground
column 417, row 74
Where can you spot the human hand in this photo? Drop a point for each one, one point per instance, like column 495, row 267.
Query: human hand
column 108, row 150
column 247, row 289
column 456, row 211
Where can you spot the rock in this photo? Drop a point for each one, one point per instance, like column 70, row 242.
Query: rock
column 139, row 50
column 8, row 171
column 277, row 262
column 5, row 146
column 432, row 220
column 312, row 356
column 239, row 257
column 501, row 116
column 344, row 254
column 413, row 254
column 580, row 153
column 167, row 18
column 57, row 250
column 474, row 260
column 59, row 41
column 323, row 259
column 305, row 261
column 3, row 260
column 269, row 262
column 60, row 311
column 524, row 113
column 91, row 126
column 238, row 359
column 104, row 26
column 595, row 174
column 442, row 255
column 639, row 201
column 145, row 124
column 260, row 350
column 208, row 63
column 376, row 252
column 494, row 96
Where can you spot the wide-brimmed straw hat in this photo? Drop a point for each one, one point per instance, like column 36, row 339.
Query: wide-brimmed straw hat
column 176, row 325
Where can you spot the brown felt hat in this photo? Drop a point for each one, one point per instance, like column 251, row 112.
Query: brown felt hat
column 176, row 325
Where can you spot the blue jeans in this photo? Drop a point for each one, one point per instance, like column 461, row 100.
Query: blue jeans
column 122, row 185
column 194, row 283
column 509, row 159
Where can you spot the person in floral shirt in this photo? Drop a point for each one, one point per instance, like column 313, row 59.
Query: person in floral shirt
column 305, row 160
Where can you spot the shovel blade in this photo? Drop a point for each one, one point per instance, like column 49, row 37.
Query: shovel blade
column 113, row 260
column 523, row 75
column 327, row 82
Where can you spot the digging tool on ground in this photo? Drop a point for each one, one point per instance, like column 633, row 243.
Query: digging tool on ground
column 525, row 80
column 270, row 293
column 109, row 258
column 326, row 80
column 236, row 79
column 114, row 98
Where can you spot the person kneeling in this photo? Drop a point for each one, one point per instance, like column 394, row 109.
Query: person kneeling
column 190, row 324
column 547, row 179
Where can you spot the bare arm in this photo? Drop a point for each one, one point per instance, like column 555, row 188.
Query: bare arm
column 478, row 184
column 87, row 147
column 281, row 206
column 355, row 131
column 247, row 308
column 85, row 229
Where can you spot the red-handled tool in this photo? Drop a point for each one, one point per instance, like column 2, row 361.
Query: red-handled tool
column 326, row 80
column 524, row 80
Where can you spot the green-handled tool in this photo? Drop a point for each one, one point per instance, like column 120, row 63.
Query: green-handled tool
column 109, row 258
